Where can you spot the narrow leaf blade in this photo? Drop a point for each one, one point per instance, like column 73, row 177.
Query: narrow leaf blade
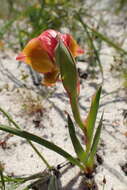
column 95, row 142
column 53, row 184
column 76, row 144
column 91, row 118
column 42, row 142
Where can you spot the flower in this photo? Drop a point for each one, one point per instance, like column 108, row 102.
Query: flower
column 39, row 53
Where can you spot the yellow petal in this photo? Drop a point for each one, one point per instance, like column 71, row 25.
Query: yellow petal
column 51, row 78
column 75, row 48
column 37, row 57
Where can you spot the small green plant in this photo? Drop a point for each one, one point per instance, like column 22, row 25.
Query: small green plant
column 56, row 60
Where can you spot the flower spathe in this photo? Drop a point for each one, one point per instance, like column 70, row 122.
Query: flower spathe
column 39, row 53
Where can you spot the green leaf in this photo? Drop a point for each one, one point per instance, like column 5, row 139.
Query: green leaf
column 2, row 180
column 69, row 76
column 95, row 143
column 76, row 144
column 53, row 185
column 42, row 142
column 91, row 118
column 108, row 41
column 67, row 66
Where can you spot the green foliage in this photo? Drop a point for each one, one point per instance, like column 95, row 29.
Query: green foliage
column 92, row 140
column 67, row 65
column 90, row 161
column 41, row 141
column 91, row 118
column 121, row 4
column 53, row 185
column 46, row 178
column 81, row 154
column 29, row 19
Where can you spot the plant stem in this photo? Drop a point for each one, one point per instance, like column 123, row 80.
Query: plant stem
column 40, row 155
column 76, row 112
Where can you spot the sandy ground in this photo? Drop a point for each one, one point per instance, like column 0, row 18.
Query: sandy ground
column 22, row 100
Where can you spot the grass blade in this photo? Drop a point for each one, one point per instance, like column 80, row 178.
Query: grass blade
column 76, row 144
column 42, row 142
column 91, row 118
column 95, row 144
column 100, row 35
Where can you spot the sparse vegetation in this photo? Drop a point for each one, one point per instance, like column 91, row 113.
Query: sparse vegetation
column 21, row 21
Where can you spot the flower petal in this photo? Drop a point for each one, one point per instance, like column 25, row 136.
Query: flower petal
column 72, row 44
column 21, row 57
column 49, row 41
column 39, row 53
column 37, row 57
column 51, row 78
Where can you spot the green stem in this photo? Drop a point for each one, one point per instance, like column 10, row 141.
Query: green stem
column 42, row 142
column 9, row 118
column 40, row 155
column 76, row 112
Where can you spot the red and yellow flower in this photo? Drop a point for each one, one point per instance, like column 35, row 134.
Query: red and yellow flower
column 39, row 53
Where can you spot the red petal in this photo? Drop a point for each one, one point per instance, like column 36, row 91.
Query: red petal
column 80, row 51
column 66, row 39
column 49, row 41
column 21, row 57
